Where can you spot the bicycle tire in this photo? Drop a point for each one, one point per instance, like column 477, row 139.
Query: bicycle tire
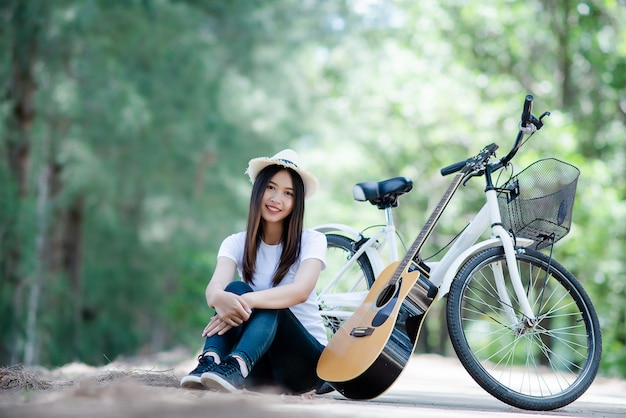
column 541, row 367
column 359, row 278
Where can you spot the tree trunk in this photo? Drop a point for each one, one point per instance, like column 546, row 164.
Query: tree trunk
column 25, row 27
column 72, row 265
column 31, row 352
column 561, row 22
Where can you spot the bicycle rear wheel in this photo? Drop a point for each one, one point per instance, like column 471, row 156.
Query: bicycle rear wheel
column 342, row 286
column 540, row 366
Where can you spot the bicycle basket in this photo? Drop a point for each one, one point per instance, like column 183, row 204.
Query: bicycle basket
column 537, row 202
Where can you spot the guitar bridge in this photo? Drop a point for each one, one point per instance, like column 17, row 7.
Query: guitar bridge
column 361, row 331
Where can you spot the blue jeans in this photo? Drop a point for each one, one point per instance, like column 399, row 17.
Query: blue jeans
column 275, row 346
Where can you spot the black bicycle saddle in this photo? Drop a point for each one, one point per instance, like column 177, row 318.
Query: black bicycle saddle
column 383, row 194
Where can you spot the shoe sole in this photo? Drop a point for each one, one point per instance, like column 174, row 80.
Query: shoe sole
column 216, row 382
column 191, row 382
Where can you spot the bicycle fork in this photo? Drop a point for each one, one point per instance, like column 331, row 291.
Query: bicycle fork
column 498, row 231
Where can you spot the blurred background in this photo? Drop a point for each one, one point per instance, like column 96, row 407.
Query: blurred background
column 126, row 127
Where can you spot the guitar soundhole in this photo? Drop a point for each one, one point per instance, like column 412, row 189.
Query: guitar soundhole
column 385, row 296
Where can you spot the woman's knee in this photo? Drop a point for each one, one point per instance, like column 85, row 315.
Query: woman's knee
column 238, row 288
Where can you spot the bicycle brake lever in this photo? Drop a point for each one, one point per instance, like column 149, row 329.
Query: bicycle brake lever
column 475, row 174
column 538, row 122
column 544, row 115
column 533, row 125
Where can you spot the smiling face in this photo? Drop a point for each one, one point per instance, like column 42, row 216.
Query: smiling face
column 276, row 206
column 278, row 198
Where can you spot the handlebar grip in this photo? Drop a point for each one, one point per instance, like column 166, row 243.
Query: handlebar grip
column 528, row 105
column 453, row 168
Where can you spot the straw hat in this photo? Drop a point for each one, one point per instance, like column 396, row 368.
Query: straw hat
column 287, row 158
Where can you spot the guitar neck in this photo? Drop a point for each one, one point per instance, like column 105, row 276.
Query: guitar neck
column 417, row 245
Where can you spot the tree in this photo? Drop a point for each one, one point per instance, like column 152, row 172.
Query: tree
column 24, row 29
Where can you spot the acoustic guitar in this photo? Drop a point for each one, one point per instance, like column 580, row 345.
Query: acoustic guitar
column 370, row 350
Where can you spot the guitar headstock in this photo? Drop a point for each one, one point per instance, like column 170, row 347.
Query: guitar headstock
column 478, row 163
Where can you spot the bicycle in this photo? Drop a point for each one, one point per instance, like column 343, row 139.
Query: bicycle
column 520, row 323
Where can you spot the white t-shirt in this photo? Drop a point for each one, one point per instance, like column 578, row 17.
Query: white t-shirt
column 313, row 245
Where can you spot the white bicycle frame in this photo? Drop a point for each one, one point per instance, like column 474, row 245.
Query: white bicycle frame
column 385, row 236
column 444, row 271
column 464, row 247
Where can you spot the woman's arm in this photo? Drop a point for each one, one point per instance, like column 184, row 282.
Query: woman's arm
column 291, row 294
column 232, row 309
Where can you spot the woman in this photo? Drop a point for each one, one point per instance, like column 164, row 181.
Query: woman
column 267, row 329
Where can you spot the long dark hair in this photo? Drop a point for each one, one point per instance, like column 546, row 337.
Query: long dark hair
column 292, row 228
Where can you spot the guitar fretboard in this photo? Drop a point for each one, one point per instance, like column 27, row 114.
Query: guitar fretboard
column 417, row 245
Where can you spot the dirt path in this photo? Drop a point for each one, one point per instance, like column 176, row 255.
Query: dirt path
column 430, row 386
column 130, row 388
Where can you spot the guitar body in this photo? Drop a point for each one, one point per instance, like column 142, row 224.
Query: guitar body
column 370, row 350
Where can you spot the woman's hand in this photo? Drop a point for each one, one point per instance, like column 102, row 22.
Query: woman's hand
column 216, row 326
column 231, row 310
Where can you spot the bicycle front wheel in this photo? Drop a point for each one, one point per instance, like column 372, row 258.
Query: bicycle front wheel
column 342, row 286
column 536, row 365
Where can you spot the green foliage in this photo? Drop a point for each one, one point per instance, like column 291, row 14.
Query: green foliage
column 147, row 112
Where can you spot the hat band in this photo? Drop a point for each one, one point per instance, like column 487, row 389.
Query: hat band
column 288, row 162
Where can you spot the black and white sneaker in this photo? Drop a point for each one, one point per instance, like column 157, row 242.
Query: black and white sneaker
column 192, row 380
column 225, row 377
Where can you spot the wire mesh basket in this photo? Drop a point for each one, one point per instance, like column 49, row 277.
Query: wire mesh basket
column 537, row 202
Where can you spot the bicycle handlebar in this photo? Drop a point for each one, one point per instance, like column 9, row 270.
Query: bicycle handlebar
column 526, row 119
column 453, row 168
column 528, row 106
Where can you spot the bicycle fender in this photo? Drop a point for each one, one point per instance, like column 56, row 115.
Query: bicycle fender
column 451, row 272
column 344, row 229
column 372, row 254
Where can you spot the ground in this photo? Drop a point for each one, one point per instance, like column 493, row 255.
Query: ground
column 148, row 387
column 137, row 387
